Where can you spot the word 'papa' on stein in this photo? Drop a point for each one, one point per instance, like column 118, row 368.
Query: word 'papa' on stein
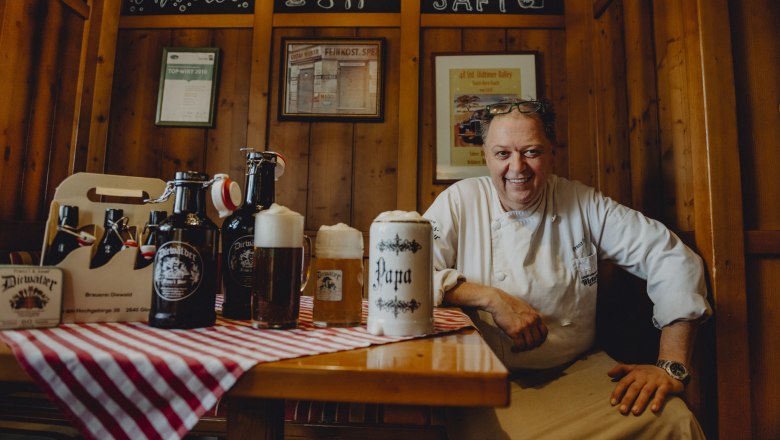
column 280, row 267
column 400, row 295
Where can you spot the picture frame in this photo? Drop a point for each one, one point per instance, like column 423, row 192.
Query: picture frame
column 332, row 79
column 464, row 84
column 188, row 87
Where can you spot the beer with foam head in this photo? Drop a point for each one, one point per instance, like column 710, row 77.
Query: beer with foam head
column 338, row 277
column 278, row 268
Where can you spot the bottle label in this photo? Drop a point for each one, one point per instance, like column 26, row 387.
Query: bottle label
column 329, row 285
column 241, row 257
column 178, row 271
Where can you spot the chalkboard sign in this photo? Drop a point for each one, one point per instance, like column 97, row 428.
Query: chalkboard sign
column 293, row 6
column 187, row 7
column 533, row 7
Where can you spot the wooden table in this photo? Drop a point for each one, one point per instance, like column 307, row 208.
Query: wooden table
column 456, row 369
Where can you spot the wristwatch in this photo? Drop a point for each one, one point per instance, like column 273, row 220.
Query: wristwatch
column 675, row 369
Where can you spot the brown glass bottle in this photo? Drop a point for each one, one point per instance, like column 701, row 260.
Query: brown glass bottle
column 112, row 240
column 148, row 245
column 64, row 241
column 238, row 235
column 184, row 279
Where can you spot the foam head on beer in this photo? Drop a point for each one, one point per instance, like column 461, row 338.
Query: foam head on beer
column 278, row 227
column 338, row 241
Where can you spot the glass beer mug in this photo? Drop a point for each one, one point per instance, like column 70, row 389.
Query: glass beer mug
column 338, row 277
column 281, row 268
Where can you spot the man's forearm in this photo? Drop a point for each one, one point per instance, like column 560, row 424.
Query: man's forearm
column 466, row 294
column 677, row 341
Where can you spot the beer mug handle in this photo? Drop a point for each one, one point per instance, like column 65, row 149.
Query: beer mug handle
column 306, row 265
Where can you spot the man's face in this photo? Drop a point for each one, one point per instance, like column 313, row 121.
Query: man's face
column 519, row 157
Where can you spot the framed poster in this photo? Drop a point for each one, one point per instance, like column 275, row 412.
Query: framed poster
column 188, row 87
column 464, row 84
column 332, row 79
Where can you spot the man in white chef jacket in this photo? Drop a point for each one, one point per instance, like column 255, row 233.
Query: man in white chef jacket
column 521, row 248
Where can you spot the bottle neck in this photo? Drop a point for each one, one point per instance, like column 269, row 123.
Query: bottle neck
column 252, row 196
column 267, row 184
column 190, row 199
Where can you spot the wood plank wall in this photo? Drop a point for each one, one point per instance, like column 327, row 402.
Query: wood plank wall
column 40, row 46
column 626, row 77
column 757, row 75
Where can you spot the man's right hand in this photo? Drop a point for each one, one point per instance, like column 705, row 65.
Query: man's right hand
column 521, row 322
column 515, row 317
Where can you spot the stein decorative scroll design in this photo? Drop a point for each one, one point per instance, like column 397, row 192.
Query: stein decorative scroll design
column 397, row 245
column 397, row 305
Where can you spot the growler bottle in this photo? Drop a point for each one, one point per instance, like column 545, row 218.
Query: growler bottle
column 149, row 239
column 65, row 240
column 184, row 277
column 238, row 235
column 113, row 239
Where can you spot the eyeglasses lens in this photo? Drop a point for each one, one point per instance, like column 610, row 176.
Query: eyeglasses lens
column 506, row 107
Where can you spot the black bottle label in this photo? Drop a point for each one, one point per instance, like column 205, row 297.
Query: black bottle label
column 178, row 271
column 241, row 257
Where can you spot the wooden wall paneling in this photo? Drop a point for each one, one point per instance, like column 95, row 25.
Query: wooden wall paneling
column 79, row 7
column 433, row 41
column 190, row 21
column 642, row 107
column 290, row 138
column 674, row 118
column 376, row 145
column 614, row 159
column 717, row 169
column 68, row 54
column 409, row 105
column 764, row 311
column 549, row 45
column 106, row 26
column 580, row 83
column 184, row 148
column 330, row 164
column 42, row 111
column 757, row 69
column 16, row 68
column 229, row 135
column 260, row 75
column 132, row 148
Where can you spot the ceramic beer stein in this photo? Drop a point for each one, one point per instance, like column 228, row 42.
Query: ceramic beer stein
column 400, row 286
column 280, row 267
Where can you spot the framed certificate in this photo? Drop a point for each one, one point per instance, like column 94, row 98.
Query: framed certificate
column 188, row 87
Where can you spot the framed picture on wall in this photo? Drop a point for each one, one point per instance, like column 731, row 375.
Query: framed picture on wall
column 188, row 87
column 332, row 79
column 464, row 84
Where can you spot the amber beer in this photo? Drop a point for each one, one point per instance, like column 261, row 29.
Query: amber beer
column 338, row 277
column 278, row 268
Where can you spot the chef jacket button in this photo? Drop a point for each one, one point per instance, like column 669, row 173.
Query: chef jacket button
column 496, row 225
column 500, row 276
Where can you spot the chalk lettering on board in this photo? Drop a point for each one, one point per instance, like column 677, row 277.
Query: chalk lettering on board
column 179, row 7
column 304, row 6
column 551, row 7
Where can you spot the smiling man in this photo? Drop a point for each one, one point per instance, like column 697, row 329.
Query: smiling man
column 519, row 249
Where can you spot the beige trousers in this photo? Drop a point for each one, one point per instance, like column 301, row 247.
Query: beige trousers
column 570, row 404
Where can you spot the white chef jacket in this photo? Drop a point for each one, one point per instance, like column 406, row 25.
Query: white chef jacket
column 548, row 256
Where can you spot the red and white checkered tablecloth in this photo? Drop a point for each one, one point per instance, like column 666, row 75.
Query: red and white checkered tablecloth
column 130, row 381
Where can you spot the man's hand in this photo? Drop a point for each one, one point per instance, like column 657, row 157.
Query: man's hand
column 521, row 322
column 639, row 385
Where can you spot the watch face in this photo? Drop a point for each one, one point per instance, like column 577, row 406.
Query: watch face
column 678, row 370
